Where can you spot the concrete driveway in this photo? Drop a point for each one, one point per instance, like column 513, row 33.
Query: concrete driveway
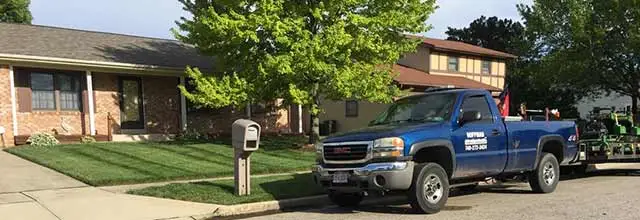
column 30, row 191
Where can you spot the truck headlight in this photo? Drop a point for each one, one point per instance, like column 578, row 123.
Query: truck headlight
column 388, row 147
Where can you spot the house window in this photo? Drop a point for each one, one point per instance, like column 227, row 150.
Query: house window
column 453, row 64
column 44, row 86
column 486, row 67
column 43, row 93
column 351, row 108
column 69, row 92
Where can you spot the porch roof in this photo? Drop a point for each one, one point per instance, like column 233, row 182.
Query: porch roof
column 413, row 77
column 80, row 47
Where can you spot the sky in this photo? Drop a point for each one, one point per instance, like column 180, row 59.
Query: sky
column 155, row 18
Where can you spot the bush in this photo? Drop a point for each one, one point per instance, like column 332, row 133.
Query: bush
column 87, row 139
column 42, row 140
column 190, row 135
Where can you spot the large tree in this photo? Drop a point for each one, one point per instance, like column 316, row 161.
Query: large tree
column 300, row 50
column 594, row 44
column 529, row 79
column 15, row 11
column 498, row 34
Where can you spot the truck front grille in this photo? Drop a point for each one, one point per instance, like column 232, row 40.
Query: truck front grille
column 345, row 152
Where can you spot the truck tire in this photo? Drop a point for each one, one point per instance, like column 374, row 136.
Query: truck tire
column 545, row 178
column 430, row 188
column 345, row 199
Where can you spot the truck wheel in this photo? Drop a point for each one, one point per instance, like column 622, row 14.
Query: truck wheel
column 545, row 178
column 345, row 199
column 430, row 188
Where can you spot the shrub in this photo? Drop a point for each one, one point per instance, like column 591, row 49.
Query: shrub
column 42, row 140
column 190, row 135
column 87, row 139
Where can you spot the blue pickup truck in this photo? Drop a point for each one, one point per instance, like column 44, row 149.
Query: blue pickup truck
column 426, row 144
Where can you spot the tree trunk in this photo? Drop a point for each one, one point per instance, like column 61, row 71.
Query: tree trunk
column 634, row 109
column 314, row 136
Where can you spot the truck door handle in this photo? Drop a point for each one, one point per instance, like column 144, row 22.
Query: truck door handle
column 495, row 132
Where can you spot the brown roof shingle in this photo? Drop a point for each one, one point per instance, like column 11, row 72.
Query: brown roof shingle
column 44, row 41
column 413, row 77
column 461, row 47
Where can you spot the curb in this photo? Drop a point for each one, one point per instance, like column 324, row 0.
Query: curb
column 310, row 202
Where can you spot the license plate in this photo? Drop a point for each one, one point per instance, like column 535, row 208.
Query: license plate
column 340, row 177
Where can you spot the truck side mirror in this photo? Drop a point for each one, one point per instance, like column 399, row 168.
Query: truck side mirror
column 470, row 116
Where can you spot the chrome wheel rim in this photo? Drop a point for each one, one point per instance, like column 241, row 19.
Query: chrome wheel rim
column 548, row 174
column 433, row 189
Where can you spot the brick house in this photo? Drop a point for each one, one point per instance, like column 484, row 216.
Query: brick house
column 76, row 82
column 436, row 63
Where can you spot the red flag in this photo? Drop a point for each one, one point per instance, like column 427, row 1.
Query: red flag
column 503, row 106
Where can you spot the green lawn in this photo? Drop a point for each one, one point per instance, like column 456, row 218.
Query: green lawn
column 102, row 164
column 221, row 192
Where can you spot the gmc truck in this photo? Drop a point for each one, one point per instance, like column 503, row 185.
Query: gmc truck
column 426, row 144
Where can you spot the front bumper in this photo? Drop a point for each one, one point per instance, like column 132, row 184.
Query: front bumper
column 372, row 177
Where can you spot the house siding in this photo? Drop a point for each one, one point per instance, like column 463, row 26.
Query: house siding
column 469, row 67
column 335, row 110
column 417, row 59
column 6, row 117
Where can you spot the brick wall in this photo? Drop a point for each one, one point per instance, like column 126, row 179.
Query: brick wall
column 105, row 89
column 6, row 120
column 219, row 121
column 161, row 104
column 161, row 110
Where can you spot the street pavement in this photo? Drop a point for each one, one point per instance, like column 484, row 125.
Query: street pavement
column 610, row 192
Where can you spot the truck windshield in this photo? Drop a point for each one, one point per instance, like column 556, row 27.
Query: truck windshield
column 424, row 108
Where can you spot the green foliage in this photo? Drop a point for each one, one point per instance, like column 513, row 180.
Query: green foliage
column 531, row 79
column 42, row 140
column 221, row 191
column 110, row 163
column 493, row 33
column 190, row 135
column 87, row 139
column 593, row 45
column 15, row 11
column 299, row 50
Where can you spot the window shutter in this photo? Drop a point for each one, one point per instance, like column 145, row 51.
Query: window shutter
column 23, row 90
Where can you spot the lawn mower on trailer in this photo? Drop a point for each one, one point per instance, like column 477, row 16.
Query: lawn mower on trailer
column 610, row 136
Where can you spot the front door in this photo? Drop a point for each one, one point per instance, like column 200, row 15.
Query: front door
column 481, row 145
column 131, row 108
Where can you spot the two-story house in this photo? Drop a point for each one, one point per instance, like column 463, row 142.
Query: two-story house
column 436, row 63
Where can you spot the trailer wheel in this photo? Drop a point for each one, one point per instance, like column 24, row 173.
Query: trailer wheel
column 545, row 178
column 430, row 188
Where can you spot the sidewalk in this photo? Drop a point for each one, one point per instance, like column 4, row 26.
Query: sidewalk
column 30, row 191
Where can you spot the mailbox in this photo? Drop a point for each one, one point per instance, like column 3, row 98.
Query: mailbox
column 245, row 135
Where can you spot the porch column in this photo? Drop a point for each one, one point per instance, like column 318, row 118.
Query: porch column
column 183, row 107
column 300, row 119
column 14, row 114
column 90, row 101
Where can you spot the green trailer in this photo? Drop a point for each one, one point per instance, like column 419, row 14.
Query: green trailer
column 609, row 136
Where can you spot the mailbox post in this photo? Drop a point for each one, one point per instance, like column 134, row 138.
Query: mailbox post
column 246, row 139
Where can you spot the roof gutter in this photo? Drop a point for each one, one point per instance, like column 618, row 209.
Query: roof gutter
column 54, row 62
